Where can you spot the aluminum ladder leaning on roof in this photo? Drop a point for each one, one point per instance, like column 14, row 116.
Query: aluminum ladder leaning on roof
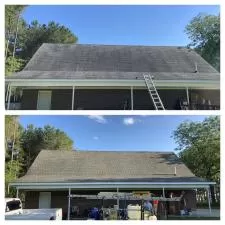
column 153, row 92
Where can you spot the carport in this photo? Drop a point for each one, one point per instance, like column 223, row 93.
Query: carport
column 116, row 187
column 57, row 175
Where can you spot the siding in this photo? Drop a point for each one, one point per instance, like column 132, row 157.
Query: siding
column 212, row 95
column 29, row 99
column 108, row 99
column 61, row 99
column 142, row 100
column 170, row 98
column 31, row 200
column 98, row 99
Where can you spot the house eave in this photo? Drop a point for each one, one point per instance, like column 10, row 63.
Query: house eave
column 107, row 185
column 202, row 84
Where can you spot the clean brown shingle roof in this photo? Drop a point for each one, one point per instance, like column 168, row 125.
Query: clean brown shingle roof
column 93, row 166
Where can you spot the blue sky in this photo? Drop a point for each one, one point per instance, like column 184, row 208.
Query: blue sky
column 132, row 133
column 138, row 25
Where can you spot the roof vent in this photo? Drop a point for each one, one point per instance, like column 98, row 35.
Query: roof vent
column 196, row 68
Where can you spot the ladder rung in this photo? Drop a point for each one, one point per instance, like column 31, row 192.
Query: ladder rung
column 153, row 92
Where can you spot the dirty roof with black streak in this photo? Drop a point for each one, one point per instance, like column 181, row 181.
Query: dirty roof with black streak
column 87, row 61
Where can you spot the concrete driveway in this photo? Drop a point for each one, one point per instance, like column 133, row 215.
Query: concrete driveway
column 206, row 213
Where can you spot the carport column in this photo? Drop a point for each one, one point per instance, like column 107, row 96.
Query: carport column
column 73, row 98
column 17, row 193
column 68, row 211
column 187, row 93
column 164, row 202
column 118, row 202
column 7, row 93
column 9, row 96
column 132, row 97
column 209, row 200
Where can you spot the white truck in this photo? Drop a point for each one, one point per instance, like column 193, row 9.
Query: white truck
column 14, row 211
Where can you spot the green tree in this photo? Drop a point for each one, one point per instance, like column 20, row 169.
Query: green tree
column 29, row 37
column 13, row 131
column 36, row 34
column 199, row 147
column 25, row 144
column 13, row 64
column 13, row 152
column 11, row 15
column 14, row 27
column 34, row 139
column 204, row 33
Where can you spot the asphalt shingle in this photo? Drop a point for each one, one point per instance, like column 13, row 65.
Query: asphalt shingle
column 82, row 61
column 83, row 166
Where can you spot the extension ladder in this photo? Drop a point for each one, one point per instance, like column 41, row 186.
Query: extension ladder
column 153, row 92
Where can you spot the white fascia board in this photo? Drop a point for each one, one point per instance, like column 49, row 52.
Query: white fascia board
column 203, row 84
column 106, row 185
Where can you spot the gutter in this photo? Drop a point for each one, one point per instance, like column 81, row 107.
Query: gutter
column 112, row 83
column 105, row 185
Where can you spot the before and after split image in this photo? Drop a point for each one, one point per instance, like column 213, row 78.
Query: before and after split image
column 84, row 138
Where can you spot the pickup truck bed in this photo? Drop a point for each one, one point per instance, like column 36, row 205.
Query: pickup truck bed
column 37, row 214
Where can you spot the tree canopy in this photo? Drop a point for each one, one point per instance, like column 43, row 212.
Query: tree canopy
column 204, row 33
column 34, row 139
column 22, row 146
column 22, row 39
column 199, row 148
column 36, row 34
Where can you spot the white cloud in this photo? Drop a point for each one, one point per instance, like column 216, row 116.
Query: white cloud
column 128, row 121
column 96, row 138
column 98, row 119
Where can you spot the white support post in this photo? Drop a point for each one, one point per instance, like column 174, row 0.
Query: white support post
column 132, row 97
column 73, row 98
column 68, row 211
column 209, row 200
column 118, row 202
column 17, row 193
column 9, row 96
column 187, row 93
column 7, row 93
column 165, row 208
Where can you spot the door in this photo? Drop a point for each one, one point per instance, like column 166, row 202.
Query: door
column 44, row 200
column 44, row 100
